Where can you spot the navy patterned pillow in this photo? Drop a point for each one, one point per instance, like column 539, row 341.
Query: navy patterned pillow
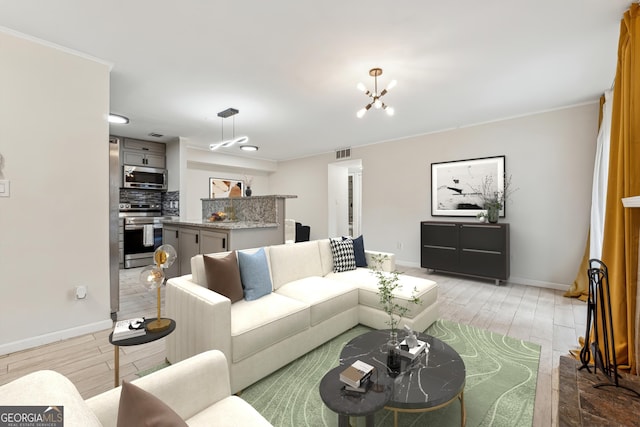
column 343, row 255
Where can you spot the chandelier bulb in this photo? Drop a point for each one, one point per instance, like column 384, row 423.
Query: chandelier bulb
column 360, row 114
column 392, row 84
column 377, row 103
column 390, row 111
column 362, row 87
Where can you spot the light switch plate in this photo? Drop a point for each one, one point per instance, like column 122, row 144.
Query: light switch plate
column 4, row 187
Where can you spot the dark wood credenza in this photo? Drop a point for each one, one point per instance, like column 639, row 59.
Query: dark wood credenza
column 470, row 248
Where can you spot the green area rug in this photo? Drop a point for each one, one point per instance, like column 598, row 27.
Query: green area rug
column 500, row 388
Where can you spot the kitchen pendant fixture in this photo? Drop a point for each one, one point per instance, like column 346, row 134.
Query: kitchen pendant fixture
column 118, row 119
column 229, row 112
column 376, row 100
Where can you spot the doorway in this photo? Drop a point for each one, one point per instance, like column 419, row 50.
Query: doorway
column 345, row 198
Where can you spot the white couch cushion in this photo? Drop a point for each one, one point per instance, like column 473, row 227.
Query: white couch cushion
column 293, row 262
column 229, row 412
column 365, row 280
column 326, row 256
column 326, row 297
column 256, row 325
column 47, row 388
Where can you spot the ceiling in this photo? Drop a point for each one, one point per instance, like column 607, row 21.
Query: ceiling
column 291, row 67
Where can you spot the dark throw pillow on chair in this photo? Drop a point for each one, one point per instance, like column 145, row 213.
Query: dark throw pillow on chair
column 140, row 408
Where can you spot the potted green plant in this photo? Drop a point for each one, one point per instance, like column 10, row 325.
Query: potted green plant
column 387, row 284
column 493, row 198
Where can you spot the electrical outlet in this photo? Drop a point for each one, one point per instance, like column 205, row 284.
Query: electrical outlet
column 81, row 292
column 5, row 185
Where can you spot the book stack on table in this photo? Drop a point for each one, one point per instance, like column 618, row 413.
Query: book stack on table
column 129, row 328
column 356, row 376
column 412, row 352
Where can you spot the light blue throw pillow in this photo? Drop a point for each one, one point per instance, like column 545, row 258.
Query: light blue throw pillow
column 254, row 274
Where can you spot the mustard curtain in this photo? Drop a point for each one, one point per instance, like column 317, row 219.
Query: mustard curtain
column 620, row 245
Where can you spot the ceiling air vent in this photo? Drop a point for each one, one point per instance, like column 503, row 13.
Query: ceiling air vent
column 343, row 153
column 156, row 135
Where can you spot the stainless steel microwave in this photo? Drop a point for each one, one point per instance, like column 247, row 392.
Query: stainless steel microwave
column 144, row 178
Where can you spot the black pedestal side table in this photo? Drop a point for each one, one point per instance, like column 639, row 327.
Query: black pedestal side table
column 142, row 339
column 347, row 404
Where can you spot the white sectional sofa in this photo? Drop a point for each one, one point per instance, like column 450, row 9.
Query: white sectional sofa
column 197, row 389
column 309, row 304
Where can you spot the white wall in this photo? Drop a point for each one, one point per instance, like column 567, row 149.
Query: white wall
column 307, row 179
column 54, row 229
column 550, row 157
column 197, row 166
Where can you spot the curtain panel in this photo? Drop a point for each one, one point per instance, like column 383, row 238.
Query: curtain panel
column 593, row 248
column 620, row 241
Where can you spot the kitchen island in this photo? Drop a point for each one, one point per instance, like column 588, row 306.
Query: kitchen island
column 250, row 222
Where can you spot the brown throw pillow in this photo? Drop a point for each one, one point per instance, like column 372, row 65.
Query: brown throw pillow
column 141, row 408
column 223, row 276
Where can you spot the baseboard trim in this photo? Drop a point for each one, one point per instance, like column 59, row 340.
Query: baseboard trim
column 538, row 283
column 514, row 280
column 49, row 338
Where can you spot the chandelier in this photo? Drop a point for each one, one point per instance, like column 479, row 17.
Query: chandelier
column 376, row 100
column 229, row 112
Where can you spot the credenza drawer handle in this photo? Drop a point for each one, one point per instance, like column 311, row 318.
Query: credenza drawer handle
column 449, row 248
column 482, row 251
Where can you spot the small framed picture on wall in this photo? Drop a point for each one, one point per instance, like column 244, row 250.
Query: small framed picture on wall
column 223, row 187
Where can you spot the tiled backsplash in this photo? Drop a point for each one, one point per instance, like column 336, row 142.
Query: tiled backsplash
column 171, row 203
column 128, row 195
column 169, row 200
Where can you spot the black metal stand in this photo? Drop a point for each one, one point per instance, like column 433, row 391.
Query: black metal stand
column 598, row 297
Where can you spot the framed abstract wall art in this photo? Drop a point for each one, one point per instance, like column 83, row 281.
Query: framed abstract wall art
column 460, row 188
column 222, row 187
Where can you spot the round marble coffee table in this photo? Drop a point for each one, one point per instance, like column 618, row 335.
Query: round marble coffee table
column 347, row 404
column 427, row 383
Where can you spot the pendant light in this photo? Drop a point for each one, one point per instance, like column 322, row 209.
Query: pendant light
column 376, row 100
column 229, row 112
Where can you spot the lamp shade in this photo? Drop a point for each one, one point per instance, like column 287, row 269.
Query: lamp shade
column 152, row 277
column 165, row 256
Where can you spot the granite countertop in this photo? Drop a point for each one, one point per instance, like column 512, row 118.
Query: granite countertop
column 222, row 225
column 267, row 196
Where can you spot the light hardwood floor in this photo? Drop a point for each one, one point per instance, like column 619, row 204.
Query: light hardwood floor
column 538, row 315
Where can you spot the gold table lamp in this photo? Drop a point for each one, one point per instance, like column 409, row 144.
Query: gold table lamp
column 153, row 277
